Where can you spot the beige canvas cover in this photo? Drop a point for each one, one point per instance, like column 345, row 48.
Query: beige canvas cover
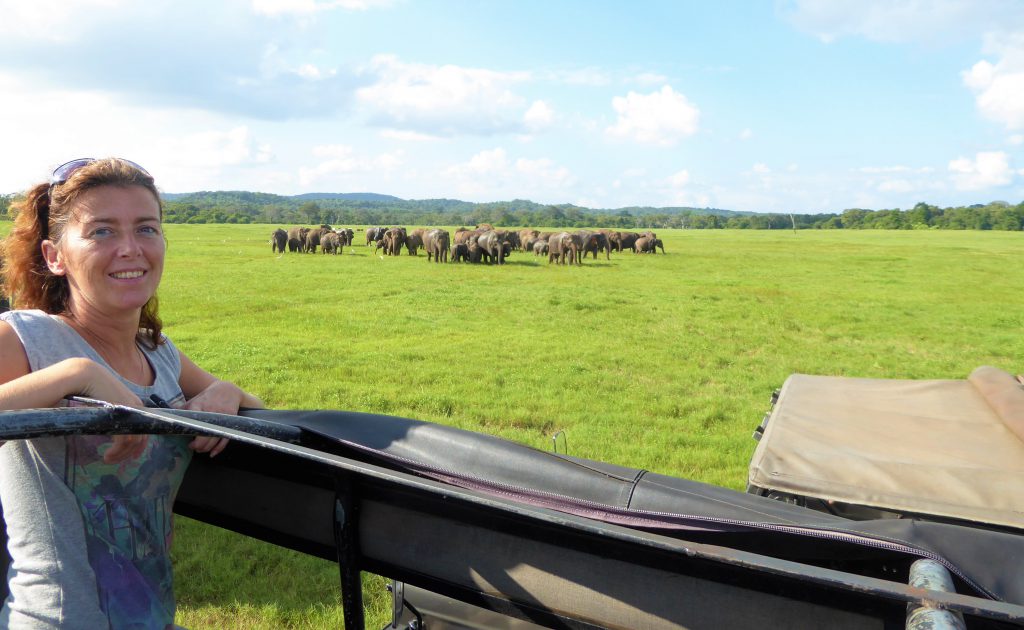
column 948, row 448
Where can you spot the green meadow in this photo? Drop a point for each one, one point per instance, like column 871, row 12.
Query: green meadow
column 664, row 362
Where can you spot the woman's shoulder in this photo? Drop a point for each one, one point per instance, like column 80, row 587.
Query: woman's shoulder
column 29, row 317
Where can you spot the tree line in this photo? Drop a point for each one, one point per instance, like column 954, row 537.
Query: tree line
column 250, row 207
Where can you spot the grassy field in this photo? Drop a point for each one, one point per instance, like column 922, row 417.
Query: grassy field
column 659, row 362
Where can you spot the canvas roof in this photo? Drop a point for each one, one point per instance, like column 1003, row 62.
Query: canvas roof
column 949, row 448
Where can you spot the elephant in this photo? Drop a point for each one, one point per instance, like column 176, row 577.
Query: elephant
column 460, row 253
column 278, row 241
column 485, row 227
column 475, row 252
column 563, row 245
column 297, row 238
column 396, row 238
column 540, row 248
column 644, row 245
column 374, row 234
column 413, row 242
column 330, row 243
column 437, row 243
column 658, row 243
column 465, row 236
column 598, row 241
column 525, row 236
column 345, row 235
column 313, row 238
column 493, row 247
column 383, row 243
column 627, row 240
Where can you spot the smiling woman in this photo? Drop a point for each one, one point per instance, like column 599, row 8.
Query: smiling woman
column 83, row 264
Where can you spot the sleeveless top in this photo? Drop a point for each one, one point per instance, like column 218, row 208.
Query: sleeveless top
column 89, row 541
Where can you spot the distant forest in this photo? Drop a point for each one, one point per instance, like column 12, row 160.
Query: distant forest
column 373, row 209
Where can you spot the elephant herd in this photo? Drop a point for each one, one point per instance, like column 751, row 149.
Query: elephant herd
column 303, row 239
column 484, row 244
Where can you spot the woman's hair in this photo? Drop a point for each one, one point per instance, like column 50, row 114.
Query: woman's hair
column 44, row 214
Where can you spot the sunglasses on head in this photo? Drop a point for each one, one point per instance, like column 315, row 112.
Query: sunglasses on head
column 65, row 170
column 61, row 175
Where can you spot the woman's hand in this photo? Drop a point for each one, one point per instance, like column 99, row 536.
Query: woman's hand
column 218, row 397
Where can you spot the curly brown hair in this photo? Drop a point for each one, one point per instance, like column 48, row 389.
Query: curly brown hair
column 43, row 215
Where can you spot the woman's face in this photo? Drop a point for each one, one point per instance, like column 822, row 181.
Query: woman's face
column 112, row 249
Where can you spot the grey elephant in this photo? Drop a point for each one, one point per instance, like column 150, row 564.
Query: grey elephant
column 437, row 244
column 540, row 248
column 562, row 246
column 278, row 241
column 492, row 245
column 297, row 238
column 460, row 253
column 413, row 243
column 330, row 243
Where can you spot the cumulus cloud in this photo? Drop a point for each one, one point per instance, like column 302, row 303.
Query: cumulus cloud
column 999, row 86
column 338, row 160
column 219, row 148
column 539, row 116
column 309, row 7
column 227, row 61
column 761, row 168
column 492, row 174
column 896, row 20
column 746, row 134
column 663, row 118
column 988, row 169
column 443, row 100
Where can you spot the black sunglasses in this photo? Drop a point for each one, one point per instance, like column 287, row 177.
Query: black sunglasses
column 61, row 175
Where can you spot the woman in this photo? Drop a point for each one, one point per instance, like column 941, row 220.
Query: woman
column 89, row 517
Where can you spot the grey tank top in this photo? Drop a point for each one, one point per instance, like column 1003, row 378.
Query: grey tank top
column 89, row 541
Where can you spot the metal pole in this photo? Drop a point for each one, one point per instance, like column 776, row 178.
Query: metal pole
column 932, row 576
column 347, row 541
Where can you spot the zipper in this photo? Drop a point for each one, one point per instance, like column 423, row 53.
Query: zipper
column 654, row 519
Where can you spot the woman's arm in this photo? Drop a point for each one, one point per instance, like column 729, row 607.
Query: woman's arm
column 20, row 388
column 205, row 392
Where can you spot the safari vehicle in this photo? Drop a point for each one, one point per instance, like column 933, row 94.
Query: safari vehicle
column 479, row 532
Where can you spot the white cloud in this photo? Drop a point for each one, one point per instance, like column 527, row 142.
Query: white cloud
column 999, row 87
column 50, row 20
column 442, row 100
column 342, row 160
column 989, row 169
column 214, row 149
column 899, row 168
column 1016, row 139
column 539, row 116
column 493, row 175
column 679, row 179
column 407, row 136
column 746, row 134
column 897, row 20
column 896, row 186
column 662, row 118
column 761, row 168
column 308, row 7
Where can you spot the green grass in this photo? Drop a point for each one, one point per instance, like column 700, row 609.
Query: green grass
column 658, row 362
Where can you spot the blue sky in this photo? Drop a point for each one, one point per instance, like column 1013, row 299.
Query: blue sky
column 788, row 106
